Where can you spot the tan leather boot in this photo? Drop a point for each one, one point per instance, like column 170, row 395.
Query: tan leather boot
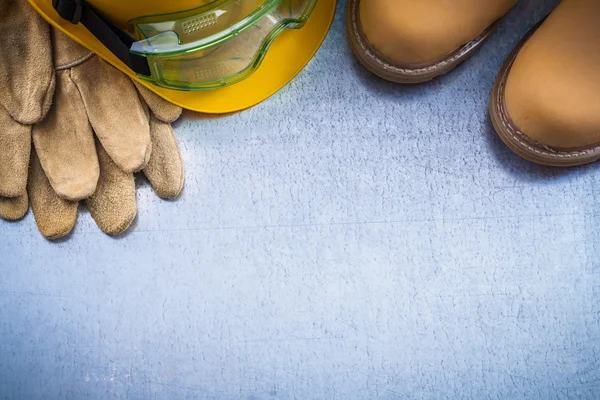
column 412, row 41
column 546, row 102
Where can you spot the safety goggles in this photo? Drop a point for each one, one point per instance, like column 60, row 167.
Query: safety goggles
column 208, row 47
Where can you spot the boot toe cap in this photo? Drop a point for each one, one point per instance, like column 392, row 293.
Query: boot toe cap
column 421, row 32
column 550, row 106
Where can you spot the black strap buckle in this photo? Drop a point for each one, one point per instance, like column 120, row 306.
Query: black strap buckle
column 112, row 37
column 71, row 10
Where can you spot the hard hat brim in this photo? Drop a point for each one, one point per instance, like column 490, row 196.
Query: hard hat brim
column 287, row 56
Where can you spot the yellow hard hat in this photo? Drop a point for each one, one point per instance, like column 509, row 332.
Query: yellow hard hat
column 211, row 56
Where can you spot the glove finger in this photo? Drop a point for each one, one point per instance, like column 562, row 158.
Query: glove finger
column 15, row 146
column 165, row 168
column 15, row 208
column 26, row 70
column 55, row 217
column 64, row 142
column 66, row 52
column 161, row 108
column 113, row 206
column 115, row 112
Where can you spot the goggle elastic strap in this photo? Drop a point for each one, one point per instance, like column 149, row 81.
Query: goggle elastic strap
column 112, row 37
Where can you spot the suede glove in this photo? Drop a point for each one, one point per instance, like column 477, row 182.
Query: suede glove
column 102, row 128
column 27, row 83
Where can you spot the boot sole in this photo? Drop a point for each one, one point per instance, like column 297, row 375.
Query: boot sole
column 518, row 141
column 391, row 70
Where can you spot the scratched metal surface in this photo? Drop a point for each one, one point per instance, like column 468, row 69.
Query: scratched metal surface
column 347, row 239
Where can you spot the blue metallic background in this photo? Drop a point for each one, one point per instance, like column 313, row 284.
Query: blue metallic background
column 347, row 239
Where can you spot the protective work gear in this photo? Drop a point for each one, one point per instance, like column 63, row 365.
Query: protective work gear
column 26, row 89
column 132, row 122
column 192, row 44
column 546, row 101
column 413, row 41
column 100, row 130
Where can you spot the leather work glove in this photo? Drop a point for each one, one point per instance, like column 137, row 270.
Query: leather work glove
column 26, row 90
column 101, row 129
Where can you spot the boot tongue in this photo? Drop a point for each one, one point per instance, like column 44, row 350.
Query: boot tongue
column 26, row 70
column 66, row 52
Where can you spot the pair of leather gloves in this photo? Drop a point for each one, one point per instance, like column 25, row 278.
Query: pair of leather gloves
column 73, row 128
